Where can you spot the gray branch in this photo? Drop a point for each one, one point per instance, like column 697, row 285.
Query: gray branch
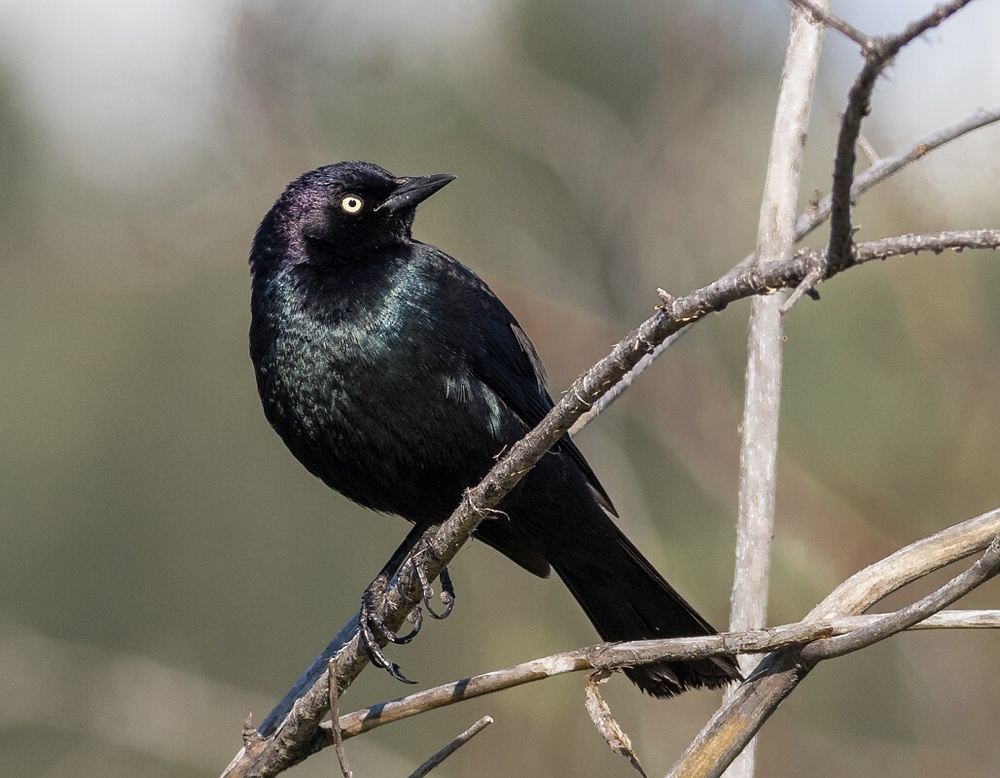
column 740, row 718
column 295, row 738
column 300, row 733
column 878, row 54
column 860, row 591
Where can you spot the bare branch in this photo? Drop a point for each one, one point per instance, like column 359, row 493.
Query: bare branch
column 738, row 720
column 985, row 568
column 954, row 619
column 452, row 747
column 883, row 248
column 775, row 239
column 817, row 261
column 823, row 16
column 878, row 55
column 808, row 221
column 859, row 592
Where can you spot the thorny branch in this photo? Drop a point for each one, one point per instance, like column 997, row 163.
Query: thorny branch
column 878, row 52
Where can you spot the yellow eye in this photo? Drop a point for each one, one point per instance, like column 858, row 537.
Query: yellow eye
column 352, row 204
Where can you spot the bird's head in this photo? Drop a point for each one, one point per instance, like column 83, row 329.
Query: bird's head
column 344, row 210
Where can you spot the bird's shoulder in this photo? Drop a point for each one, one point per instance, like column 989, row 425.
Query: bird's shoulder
column 496, row 346
column 502, row 356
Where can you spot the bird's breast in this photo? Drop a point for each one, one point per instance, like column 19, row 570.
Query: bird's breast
column 369, row 401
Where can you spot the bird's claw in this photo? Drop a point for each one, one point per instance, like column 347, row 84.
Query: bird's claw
column 447, row 588
column 382, row 662
column 372, row 629
column 447, row 595
column 416, row 618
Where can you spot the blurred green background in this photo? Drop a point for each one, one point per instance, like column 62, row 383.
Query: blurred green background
column 165, row 563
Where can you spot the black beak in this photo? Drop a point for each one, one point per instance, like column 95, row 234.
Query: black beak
column 410, row 191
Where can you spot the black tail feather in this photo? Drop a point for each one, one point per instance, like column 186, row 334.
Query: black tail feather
column 627, row 599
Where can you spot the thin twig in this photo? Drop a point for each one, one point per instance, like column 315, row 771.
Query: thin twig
column 626, row 381
column 823, row 16
column 338, row 740
column 877, row 56
column 452, row 747
column 806, row 286
column 868, row 149
column 817, row 262
column 819, row 213
column 892, row 164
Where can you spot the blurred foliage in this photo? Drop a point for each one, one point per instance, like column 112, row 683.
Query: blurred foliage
column 602, row 150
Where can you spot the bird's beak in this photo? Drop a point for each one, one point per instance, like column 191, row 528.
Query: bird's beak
column 410, row 191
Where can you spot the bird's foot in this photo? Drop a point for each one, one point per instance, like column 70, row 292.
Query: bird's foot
column 447, row 596
column 372, row 629
column 447, row 587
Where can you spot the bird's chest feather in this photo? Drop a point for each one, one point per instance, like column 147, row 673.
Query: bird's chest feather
column 375, row 386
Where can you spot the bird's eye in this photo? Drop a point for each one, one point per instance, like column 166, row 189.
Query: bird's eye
column 352, row 204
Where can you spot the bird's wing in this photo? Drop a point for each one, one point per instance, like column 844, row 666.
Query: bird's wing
column 509, row 365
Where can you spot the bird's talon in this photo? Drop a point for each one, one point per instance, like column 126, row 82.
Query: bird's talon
column 416, row 618
column 448, row 600
column 395, row 672
column 447, row 596
column 372, row 629
column 369, row 644
column 371, row 647
column 370, row 622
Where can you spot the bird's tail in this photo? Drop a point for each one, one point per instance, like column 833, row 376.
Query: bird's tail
column 627, row 599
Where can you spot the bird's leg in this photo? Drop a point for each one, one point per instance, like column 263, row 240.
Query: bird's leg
column 372, row 629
